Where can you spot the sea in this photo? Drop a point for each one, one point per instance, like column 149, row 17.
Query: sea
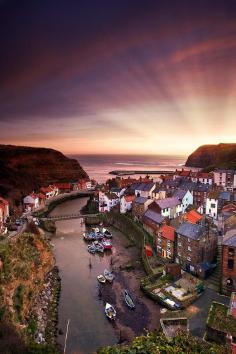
column 99, row 166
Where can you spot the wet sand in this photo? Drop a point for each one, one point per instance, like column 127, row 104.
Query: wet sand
column 146, row 315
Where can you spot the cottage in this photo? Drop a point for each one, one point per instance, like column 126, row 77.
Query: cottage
column 4, row 212
column 63, row 187
column 50, row 191
column 126, row 203
column 31, row 202
column 212, row 202
column 118, row 191
column 145, row 189
column 168, row 207
column 196, row 243
column 185, row 197
column 139, row 206
column 152, row 221
column 165, row 242
column 107, row 201
column 159, row 193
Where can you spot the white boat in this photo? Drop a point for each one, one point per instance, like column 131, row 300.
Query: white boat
column 101, row 278
column 110, row 311
column 108, row 275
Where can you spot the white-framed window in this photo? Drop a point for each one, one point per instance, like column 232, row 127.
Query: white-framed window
column 179, row 244
column 189, row 240
column 189, row 248
column 189, row 259
column 179, row 254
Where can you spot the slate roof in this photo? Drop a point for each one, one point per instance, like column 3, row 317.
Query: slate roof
column 230, row 238
column 179, row 193
column 225, row 196
column 145, row 186
column 140, row 200
column 167, row 202
column 154, row 216
column 193, row 231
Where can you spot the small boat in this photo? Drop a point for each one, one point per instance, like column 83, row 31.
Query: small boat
column 91, row 249
column 108, row 275
column 128, row 300
column 107, row 244
column 101, row 278
column 110, row 311
column 106, row 233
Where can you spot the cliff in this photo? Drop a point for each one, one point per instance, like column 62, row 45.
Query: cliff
column 213, row 156
column 23, row 169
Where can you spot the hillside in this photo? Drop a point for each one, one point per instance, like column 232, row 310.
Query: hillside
column 213, row 156
column 24, row 169
column 25, row 264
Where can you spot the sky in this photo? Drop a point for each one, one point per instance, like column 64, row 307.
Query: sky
column 118, row 76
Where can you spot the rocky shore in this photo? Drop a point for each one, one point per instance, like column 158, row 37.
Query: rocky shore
column 44, row 313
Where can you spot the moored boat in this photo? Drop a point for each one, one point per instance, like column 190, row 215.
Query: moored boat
column 106, row 233
column 101, row 278
column 107, row 244
column 110, row 311
column 128, row 300
column 108, row 275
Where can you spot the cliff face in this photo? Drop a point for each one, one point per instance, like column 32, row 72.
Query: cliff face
column 23, row 169
column 213, row 156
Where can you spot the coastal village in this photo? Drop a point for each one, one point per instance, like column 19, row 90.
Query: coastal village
column 188, row 219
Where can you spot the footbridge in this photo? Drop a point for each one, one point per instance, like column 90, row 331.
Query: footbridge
column 68, row 217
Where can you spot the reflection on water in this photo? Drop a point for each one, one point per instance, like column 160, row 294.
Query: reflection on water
column 89, row 328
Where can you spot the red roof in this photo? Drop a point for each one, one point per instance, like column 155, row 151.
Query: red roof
column 168, row 232
column 63, row 185
column 129, row 198
column 193, row 216
column 204, row 175
column 3, row 201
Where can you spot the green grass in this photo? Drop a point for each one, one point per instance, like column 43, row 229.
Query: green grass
column 219, row 319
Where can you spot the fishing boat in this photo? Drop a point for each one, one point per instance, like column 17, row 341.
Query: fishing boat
column 106, row 233
column 91, row 249
column 128, row 300
column 101, row 278
column 108, row 275
column 107, row 244
column 110, row 311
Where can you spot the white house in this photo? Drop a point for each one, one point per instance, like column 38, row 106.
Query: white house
column 185, row 197
column 31, row 202
column 126, row 203
column 212, row 202
column 107, row 201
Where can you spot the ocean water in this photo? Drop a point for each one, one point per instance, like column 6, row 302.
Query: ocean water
column 99, row 166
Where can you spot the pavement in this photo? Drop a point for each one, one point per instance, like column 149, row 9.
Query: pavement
column 199, row 310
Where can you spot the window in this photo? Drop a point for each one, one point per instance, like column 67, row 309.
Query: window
column 213, row 205
column 189, row 248
column 189, row 240
column 230, row 252
column 189, row 259
column 230, row 264
column 179, row 244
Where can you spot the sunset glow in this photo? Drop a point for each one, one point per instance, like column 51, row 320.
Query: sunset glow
column 118, row 77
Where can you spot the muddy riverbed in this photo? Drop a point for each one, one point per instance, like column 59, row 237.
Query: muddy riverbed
column 82, row 297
